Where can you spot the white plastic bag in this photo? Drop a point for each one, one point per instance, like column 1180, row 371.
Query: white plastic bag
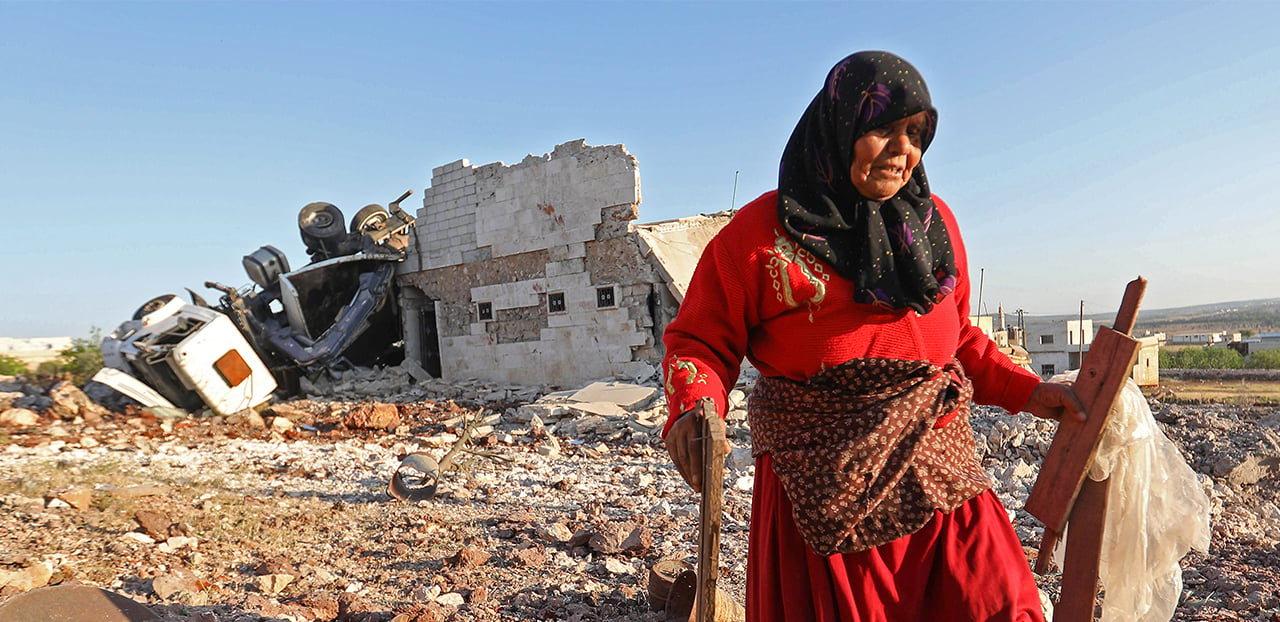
column 1156, row 513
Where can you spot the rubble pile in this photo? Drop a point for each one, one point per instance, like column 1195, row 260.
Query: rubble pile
column 556, row 505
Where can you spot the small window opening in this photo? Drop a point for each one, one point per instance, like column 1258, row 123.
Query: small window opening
column 1046, row 339
column 555, row 302
column 485, row 311
column 1048, row 370
column 604, row 297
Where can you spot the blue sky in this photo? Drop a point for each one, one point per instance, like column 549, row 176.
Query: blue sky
column 145, row 147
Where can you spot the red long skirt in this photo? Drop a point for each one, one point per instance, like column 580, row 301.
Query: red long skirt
column 963, row 566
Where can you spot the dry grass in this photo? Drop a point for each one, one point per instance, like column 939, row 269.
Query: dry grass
column 1245, row 393
column 45, row 476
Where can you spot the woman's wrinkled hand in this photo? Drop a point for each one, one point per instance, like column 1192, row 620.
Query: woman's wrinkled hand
column 684, row 443
column 1053, row 400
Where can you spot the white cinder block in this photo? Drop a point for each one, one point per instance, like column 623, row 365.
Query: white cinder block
column 569, row 266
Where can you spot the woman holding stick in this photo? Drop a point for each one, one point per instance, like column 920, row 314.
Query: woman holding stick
column 848, row 289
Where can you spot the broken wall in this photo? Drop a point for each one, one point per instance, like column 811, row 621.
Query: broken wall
column 529, row 273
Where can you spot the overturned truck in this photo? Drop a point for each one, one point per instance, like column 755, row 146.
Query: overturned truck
column 337, row 312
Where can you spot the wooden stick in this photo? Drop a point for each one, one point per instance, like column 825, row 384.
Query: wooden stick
column 1063, row 490
column 714, row 444
column 1105, row 368
column 1084, row 552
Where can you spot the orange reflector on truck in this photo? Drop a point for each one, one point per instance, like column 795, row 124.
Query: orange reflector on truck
column 232, row 367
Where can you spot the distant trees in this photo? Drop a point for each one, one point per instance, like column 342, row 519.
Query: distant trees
column 1210, row 357
column 79, row 362
column 11, row 366
column 1201, row 358
column 1265, row 359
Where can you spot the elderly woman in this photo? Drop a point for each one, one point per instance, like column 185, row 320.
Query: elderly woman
column 848, row 289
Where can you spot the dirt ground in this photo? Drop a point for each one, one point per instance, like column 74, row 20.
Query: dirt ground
column 212, row 519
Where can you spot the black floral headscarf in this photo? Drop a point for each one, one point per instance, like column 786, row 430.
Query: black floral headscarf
column 896, row 252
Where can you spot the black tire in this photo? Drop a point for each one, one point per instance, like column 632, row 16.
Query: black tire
column 369, row 217
column 152, row 305
column 321, row 220
column 322, row 227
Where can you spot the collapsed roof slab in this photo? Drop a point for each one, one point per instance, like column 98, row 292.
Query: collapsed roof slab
column 676, row 246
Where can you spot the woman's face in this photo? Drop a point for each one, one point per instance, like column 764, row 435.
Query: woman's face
column 883, row 158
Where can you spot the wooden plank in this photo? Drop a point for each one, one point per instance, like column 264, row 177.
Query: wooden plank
column 1106, row 368
column 1079, row 596
column 1128, row 313
column 714, row 445
column 1062, row 489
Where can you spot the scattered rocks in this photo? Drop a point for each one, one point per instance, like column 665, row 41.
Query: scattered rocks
column 78, row 498
column 155, row 524
column 272, row 584
column 69, row 402
column 19, row 417
column 177, row 579
column 530, row 556
column 555, row 515
column 373, row 417
column 468, row 558
column 28, row 578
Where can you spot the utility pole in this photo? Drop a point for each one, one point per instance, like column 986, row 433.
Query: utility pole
column 1080, row 330
column 1022, row 329
column 733, row 201
column 982, row 275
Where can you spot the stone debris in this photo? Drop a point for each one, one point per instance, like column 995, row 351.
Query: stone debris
column 177, row 579
column 30, row 577
column 273, row 583
column 373, row 417
column 19, row 417
column 68, row 402
column 78, row 498
column 155, row 524
column 551, row 511
column 468, row 558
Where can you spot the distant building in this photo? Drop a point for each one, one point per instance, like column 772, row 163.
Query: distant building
column 1009, row 340
column 1055, row 346
column 1199, row 339
column 1146, row 371
column 1265, row 341
column 35, row 350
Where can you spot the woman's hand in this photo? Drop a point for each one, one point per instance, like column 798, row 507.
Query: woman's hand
column 684, row 443
column 1052, row 400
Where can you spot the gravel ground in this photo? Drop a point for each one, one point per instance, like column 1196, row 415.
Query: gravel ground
column 556, row 517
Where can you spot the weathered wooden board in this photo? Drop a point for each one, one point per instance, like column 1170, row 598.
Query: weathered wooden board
column 1106, row 368
column 714, row 446
column 1063, row 492
column 1084, row 551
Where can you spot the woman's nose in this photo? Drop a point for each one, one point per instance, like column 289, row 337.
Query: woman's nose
column 899, row 142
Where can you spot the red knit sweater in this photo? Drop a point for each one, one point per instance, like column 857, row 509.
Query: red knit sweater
column 755, row 293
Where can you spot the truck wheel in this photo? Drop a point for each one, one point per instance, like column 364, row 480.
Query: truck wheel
column 322, row 228
column 369, row 217
column 321, row 220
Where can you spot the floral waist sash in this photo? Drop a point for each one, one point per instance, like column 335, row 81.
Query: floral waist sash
column 867, row 451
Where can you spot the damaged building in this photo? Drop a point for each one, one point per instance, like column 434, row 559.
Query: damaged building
column 538, row 273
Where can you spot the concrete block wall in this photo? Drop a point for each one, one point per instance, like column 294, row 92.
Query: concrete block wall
column 555, row 199
column 446, row 227
column 567, row 211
